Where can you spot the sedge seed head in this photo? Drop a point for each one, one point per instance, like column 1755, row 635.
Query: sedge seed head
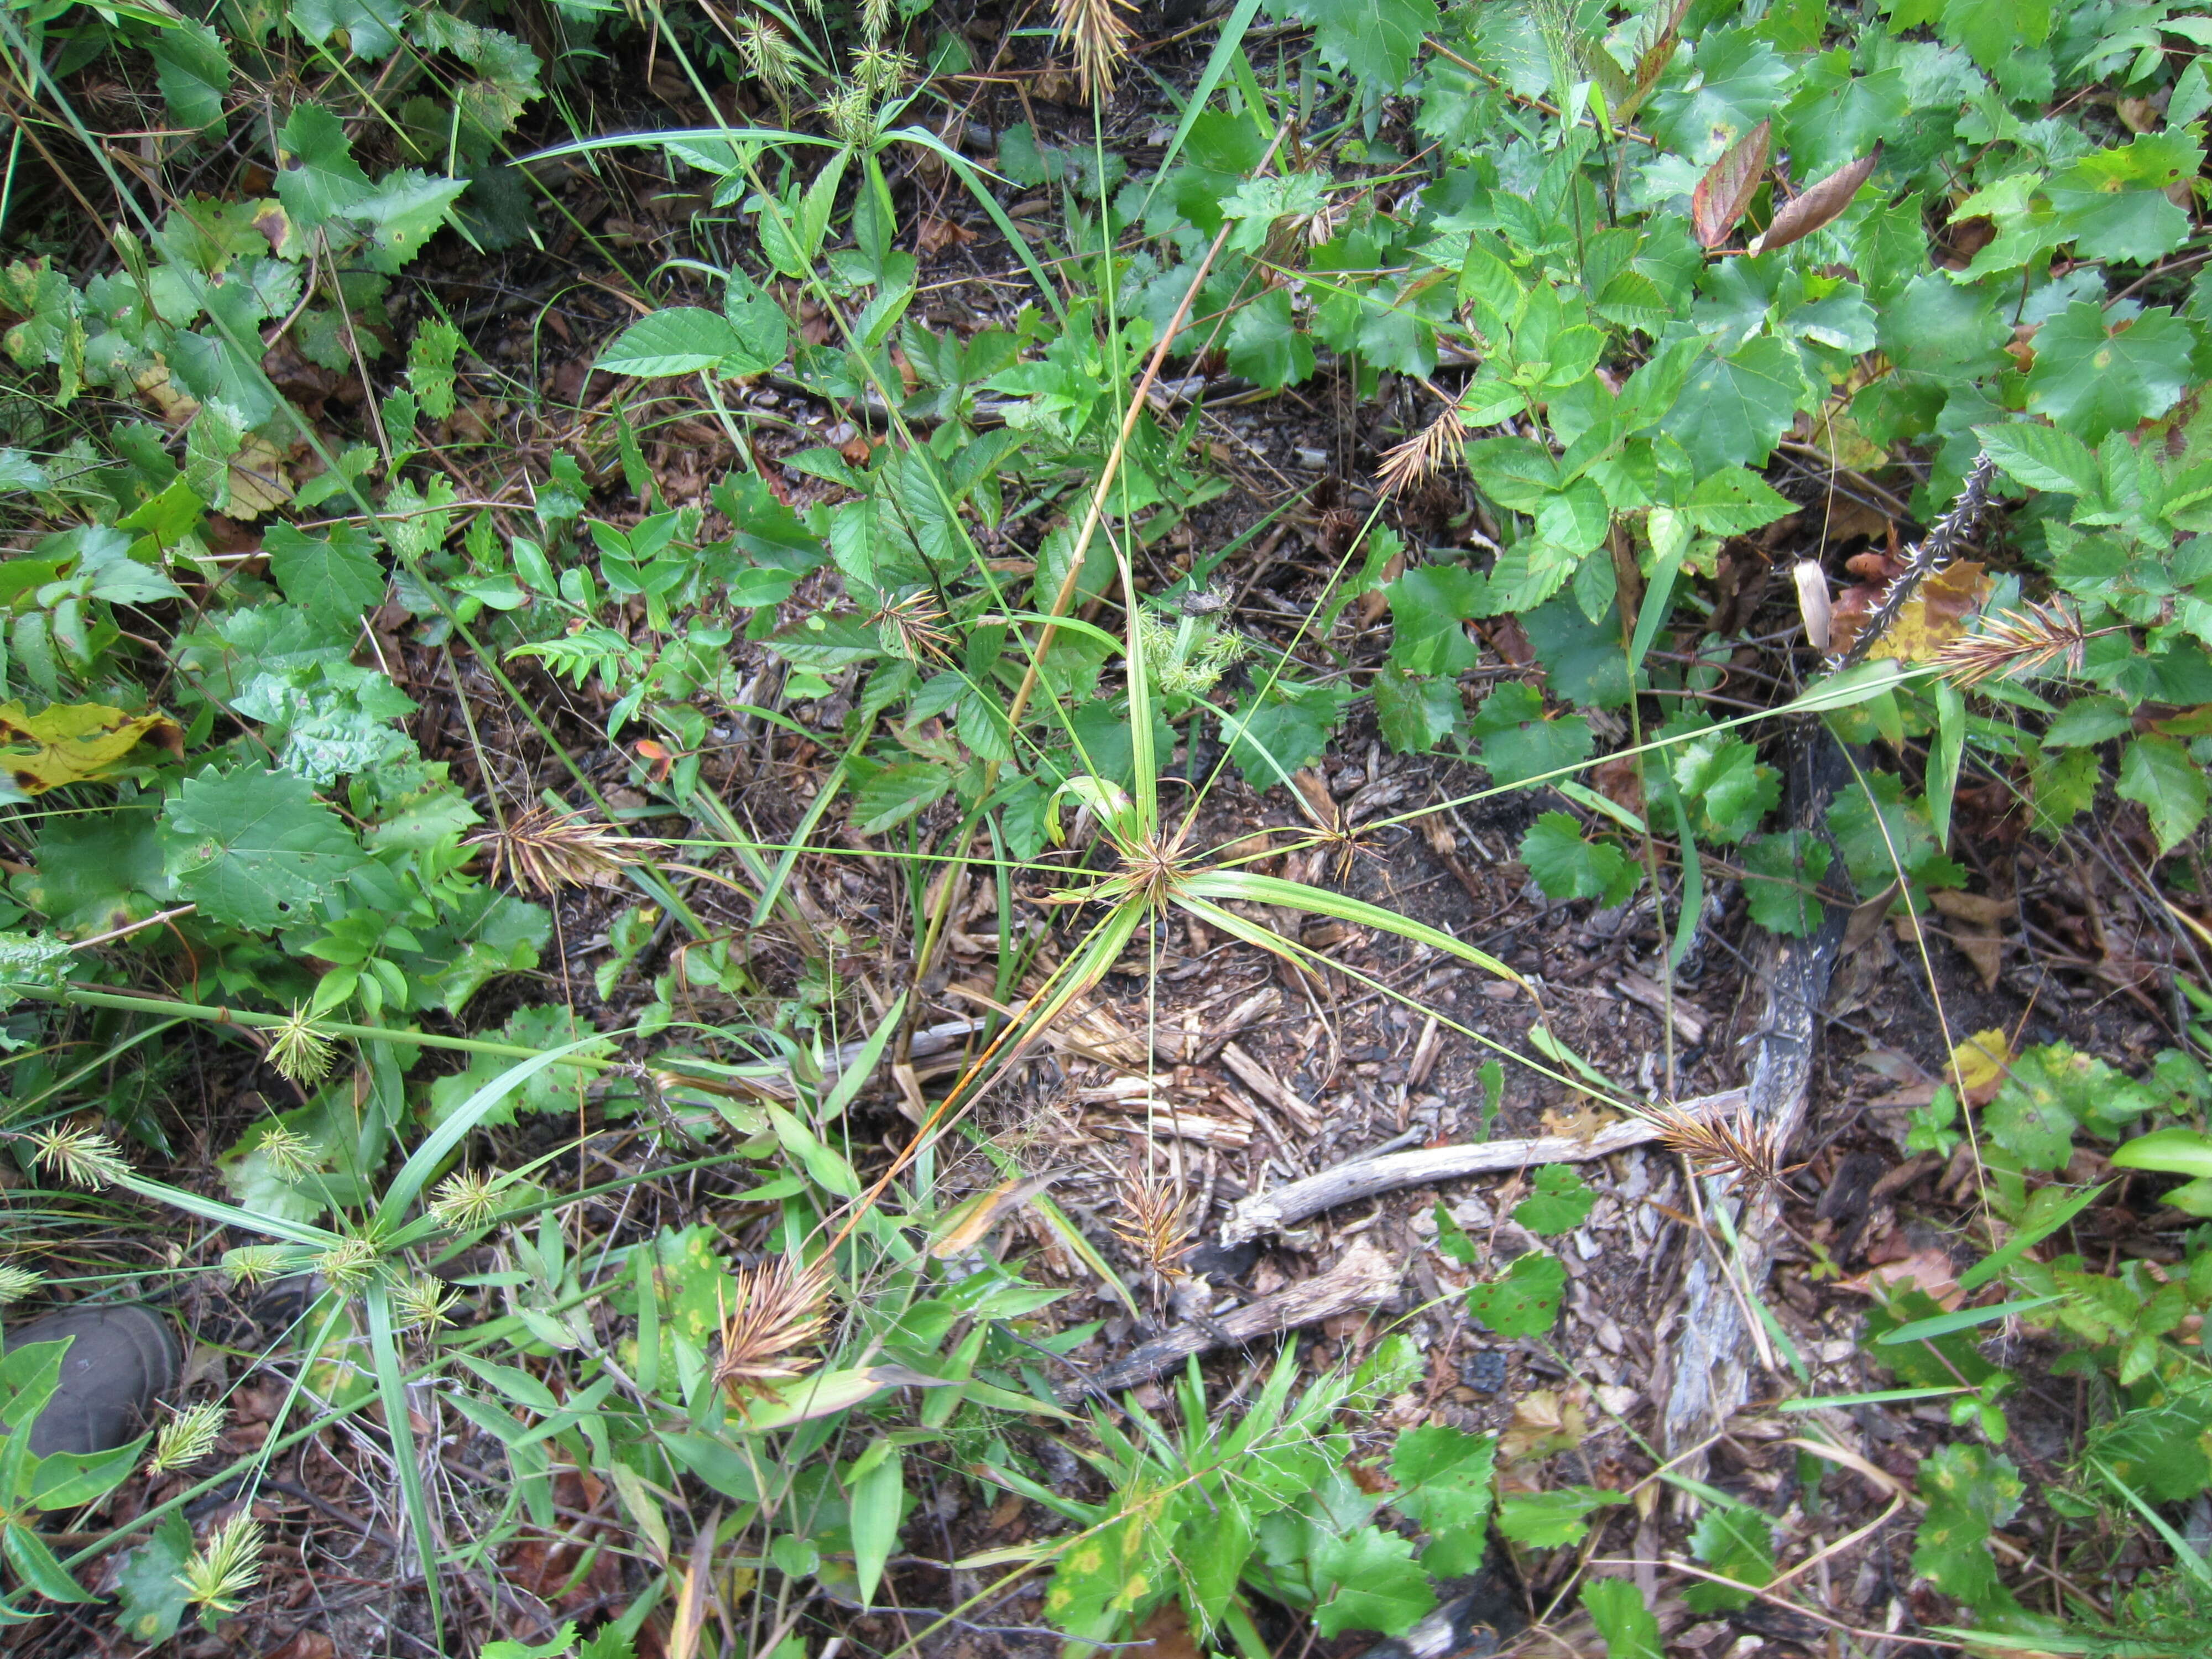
column 16, row 1283
column 249, row 1264
column 425, row 1301
column 300, row 1051
column 291, row 1156
column 349, row 1265
column 464, row 1201
column 186, row 1438
column 224, row 1569
column 83, row 1157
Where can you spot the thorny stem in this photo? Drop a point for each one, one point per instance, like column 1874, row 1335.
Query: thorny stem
column 1935, row 550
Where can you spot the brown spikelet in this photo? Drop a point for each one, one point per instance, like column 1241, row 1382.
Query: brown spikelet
column 2020, row 641
column 545, row 850
column 776, row 1310
column 1406, row 464
column 1748, row 1155
column 1155, row 1225
column 1098, row 32
column 913, row 627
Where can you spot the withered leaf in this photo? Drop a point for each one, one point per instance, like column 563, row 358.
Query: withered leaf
column 1818, row 205
column 75, row 743
column 1727, row 189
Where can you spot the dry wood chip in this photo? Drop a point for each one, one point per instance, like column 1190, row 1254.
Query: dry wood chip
column 1270, row 1088
column 1690, row 1020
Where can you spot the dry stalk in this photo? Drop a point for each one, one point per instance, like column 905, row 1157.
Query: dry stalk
column 2022, row 641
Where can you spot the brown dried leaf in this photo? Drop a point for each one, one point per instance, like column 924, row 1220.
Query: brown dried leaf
column 1935, row 615
column 1727, row 189
column 1819, row 204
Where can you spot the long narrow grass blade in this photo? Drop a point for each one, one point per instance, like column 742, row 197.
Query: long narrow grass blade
column 392, row 1388
column 1257, row 889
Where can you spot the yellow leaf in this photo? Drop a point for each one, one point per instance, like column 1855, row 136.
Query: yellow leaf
column 75, row 742
column 1979, row 1065
column 1935, row 615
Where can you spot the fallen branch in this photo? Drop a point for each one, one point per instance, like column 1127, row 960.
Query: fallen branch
column 1286, row 1207
column 1364, row 1277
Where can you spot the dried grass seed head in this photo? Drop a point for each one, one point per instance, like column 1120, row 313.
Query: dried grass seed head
column 544, row 850
column 775, row 1309
column 1098, row 32
column 1745, row 1154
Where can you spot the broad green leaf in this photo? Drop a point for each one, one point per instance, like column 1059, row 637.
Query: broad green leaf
column 151, row 1594
column 1735, row 501
column 1737, row 1543
column 28, row 1553
column 682, row 340
column 895, row 793
column 2112, row 202
column 1737, row 408
column 320, row 180
column 1548, row 1520
column 1970, row 1492
column 2169, row 1151
column 1287, row 729
column 1416, row 711
column 1518, row 741
column 1780, row 874
column 1376, row 1584
column 877, row 1489
column 254, row 848
column 1265, row 346
column 192, row 70
column 1730, row 789
column 1375, row 39
column 1567, row 865
column 2043, row 458
column 1429, row 606
column 334, row 579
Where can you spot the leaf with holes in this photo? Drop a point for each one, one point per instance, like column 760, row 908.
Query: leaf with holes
column 1523, row 1300
column 255, row 849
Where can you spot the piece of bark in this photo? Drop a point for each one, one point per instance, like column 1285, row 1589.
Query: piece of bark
column 1712, row 1352
column 1286, row 1207
column 1363, row 1276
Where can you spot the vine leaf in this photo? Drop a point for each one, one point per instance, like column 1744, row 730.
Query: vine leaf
column 1819, row 205
column 1726, row 190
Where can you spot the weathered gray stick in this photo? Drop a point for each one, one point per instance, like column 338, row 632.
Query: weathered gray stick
column 1286, row 1207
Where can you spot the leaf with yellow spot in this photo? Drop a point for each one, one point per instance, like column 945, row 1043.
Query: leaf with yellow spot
column 67, row 743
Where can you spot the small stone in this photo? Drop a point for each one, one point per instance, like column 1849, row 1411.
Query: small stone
column 1312, row 459
column 1486, row 1372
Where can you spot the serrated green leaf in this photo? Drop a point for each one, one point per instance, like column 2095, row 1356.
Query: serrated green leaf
column 1375, row 39
column 1415, row 712
column 682, row 340
column 1737, row 1543
column 1265, row 346
column 1376, row 1584
column 1780, row 872
column 1560, row 1202
column 152, row 1596
column 1616, row 1607
column 1550, row 1519
column 2158, row 775
column 1970, row 1493
column 896, row 793
column 1720, row 775
column 334, row 579
column 1736, row 408
column 1735, row 501
column 1519, row 742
